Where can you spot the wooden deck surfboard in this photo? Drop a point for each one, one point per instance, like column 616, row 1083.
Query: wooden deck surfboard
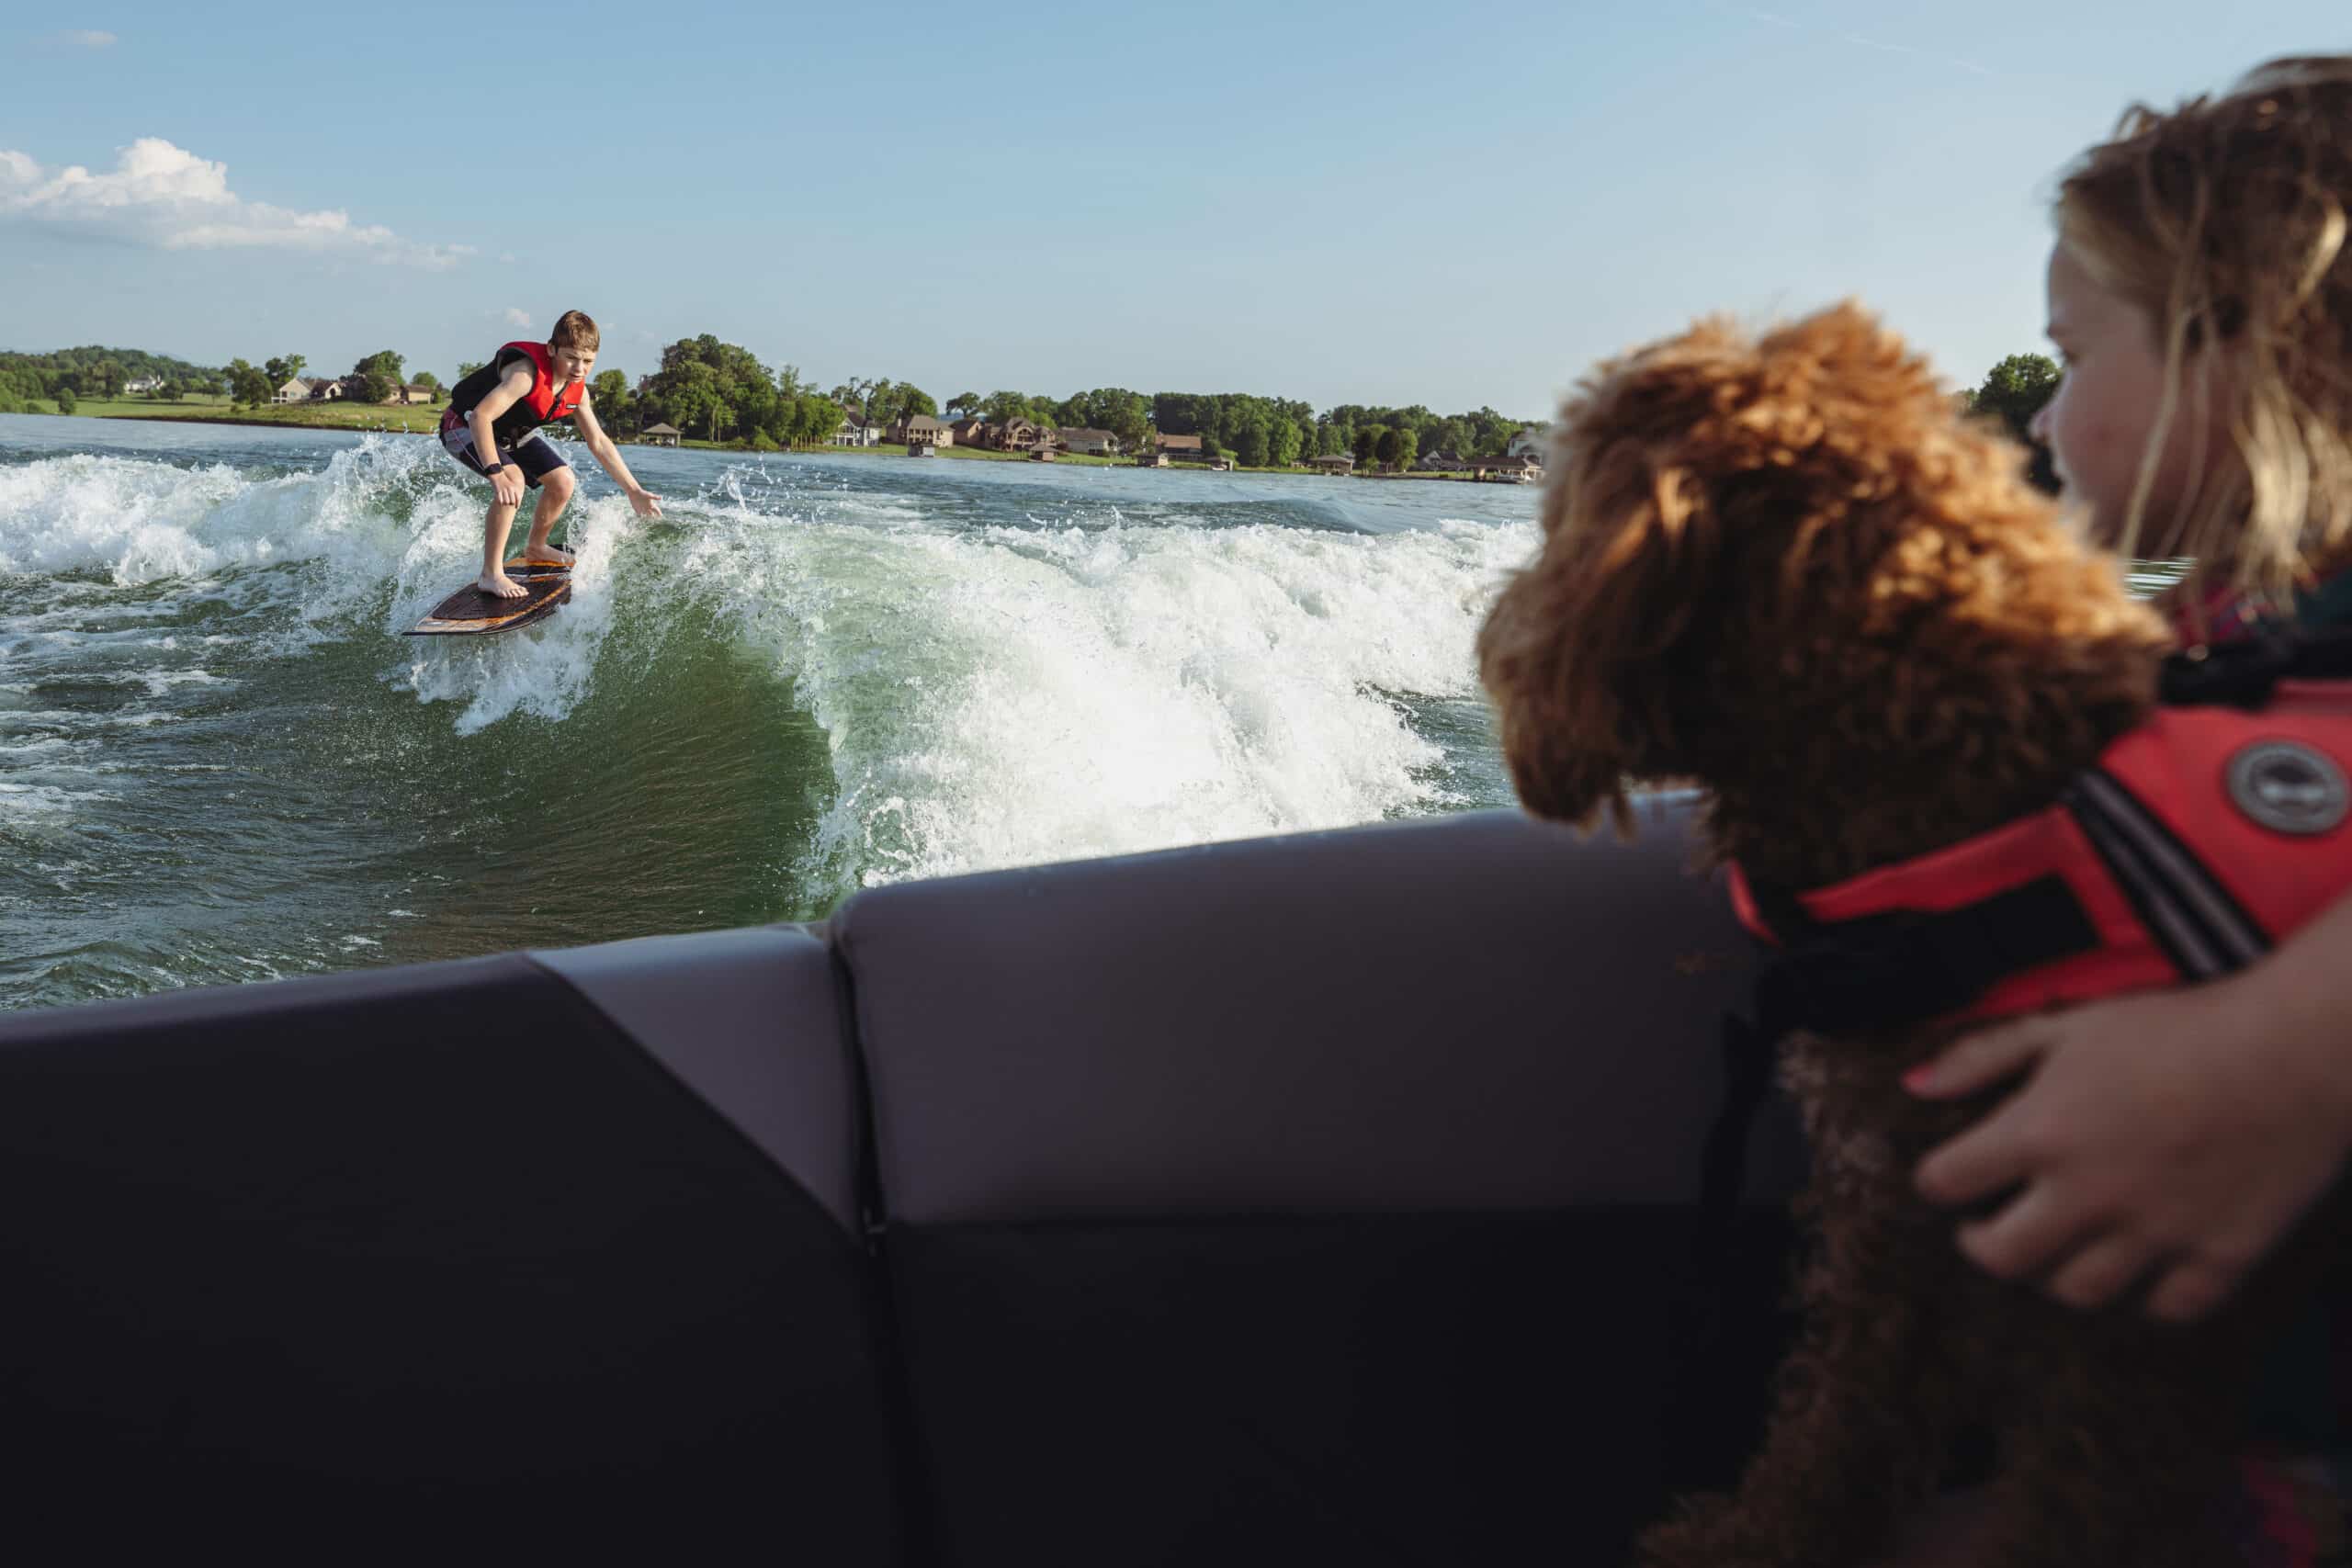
column 472, row 613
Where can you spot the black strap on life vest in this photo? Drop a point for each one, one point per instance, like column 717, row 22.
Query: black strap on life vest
column 2242, row 673
column 1891, row 968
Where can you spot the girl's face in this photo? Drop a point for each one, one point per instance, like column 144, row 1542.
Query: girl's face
column 2098, row 422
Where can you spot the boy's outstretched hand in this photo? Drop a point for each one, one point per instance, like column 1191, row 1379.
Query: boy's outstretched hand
column 645, row 502
column 2172, row 1137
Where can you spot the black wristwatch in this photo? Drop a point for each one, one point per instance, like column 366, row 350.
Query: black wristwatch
column 495, row 468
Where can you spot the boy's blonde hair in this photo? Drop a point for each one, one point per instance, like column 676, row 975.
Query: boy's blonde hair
column 2225, row 220
column 573, row 330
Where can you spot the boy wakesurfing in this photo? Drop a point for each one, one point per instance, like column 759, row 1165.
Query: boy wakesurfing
column 493, row 427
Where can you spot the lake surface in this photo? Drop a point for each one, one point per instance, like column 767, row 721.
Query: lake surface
column 219, row 761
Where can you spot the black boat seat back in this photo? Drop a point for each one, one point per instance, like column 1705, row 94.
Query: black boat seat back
column 1320, row 1199
column 566, row 1251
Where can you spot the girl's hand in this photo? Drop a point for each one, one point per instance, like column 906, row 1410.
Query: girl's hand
column 2172, row 1135
column 507, row 485
column 645, row 502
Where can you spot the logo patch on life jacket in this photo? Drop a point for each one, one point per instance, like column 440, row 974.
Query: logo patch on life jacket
column 2289, row 787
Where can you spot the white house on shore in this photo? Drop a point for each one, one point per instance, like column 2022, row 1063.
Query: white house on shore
column 854, row 431
column 145, row 386
column 296, row 391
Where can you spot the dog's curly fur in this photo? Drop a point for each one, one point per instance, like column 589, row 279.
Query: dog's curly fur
column 1785, row 568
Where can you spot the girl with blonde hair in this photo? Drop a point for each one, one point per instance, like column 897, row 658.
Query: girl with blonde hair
column 2156, row 1147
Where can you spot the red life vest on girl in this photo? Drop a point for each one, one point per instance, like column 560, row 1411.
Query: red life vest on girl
column 543, row 404
column 2199, row 840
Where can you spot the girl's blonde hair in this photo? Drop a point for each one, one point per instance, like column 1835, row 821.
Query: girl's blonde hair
column 2226, row 219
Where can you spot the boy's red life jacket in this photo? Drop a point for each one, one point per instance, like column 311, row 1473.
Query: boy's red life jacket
column 545, row 402
column 2199, row 840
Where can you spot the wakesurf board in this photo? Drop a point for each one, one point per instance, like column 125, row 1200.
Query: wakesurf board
column 470, row 611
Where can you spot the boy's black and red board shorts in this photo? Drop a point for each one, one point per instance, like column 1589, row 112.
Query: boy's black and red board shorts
column 534, row 454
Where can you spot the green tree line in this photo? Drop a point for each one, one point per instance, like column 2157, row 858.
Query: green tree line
column 89, row 372
column 721, row 392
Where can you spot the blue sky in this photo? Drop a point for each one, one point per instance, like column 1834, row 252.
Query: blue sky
column 1363, row 202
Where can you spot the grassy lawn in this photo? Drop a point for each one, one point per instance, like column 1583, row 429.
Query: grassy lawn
column 332, row 415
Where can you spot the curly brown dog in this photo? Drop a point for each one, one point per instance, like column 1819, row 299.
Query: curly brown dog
column 1787, row 570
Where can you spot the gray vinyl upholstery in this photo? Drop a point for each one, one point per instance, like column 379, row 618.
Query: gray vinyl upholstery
column 751, row 1020
column 1472, row 1012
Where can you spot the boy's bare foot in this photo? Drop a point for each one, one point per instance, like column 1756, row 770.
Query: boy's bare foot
column 499, row 584
column 541, row 555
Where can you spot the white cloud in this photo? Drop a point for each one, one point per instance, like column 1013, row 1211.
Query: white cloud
column 161, row 195
column 86, row 38
column 517, row 317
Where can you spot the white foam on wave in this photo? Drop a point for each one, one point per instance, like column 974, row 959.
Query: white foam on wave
column 1005, row 696
column 18, row 799
column 545, row 669
column 137, row 522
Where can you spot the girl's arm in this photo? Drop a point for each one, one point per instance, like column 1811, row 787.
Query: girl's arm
column 2172, row 1137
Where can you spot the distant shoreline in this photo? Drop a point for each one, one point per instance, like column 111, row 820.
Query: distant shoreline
column 882, row 450
column 252, row 423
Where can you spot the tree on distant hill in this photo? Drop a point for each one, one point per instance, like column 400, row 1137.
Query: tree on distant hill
column 905, row 401
column 2015, row 390
column 248, row 386
column 616, row 407
column 384, row 362
column 374, row 387
column 284, row 369
column 64, row 399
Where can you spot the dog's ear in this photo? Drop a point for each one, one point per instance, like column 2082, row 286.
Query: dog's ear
column 1582, row 648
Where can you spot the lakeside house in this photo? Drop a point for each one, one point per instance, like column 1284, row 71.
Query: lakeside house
column 1339, row 464
column 969, row 432
column 1151, row 459
column 1012, row 435
column 408, row 393
column 922, row 430
column 1083, row 442
column 659, row 435
column 1530, row 442
column 1524, row 468
column 854, row 431
column 145, row 386
column 324, row 389
column 1181, row 446
column 296, row 391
